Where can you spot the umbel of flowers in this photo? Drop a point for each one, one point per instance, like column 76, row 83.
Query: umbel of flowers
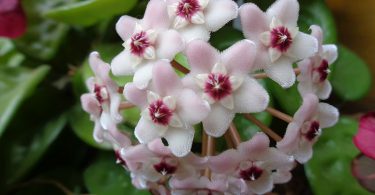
column 215, row 87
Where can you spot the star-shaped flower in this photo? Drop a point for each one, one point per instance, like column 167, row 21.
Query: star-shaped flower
column 306, row 127
column 168, row 109
column 279, row 41
column 223, row 80
column 255, row 163
column 315, row 70
column 145, row 41
column 195, row 19
column 102, row 103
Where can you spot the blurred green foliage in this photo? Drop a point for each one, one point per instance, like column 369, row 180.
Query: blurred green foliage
column 46, row 138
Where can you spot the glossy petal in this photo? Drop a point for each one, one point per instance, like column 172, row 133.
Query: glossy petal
column 191, row 107
column 90, row 104
column 281, row 72
column 169, row 43
column 201, row 56
column 180, row 140
column 307, row 110
column 258, row 143
column 304, row 151
column 125, row 27
column 328, row 115
column 330, row 53
column 253, row 20
column 325, row 90
column 142, row 76
column 290, row 139
column 217, row 121
column 156, row 15
column 226, row 162
column 250, row 97
column 262, row 185
column 281, row 176
column 165, row 80
column 135, row 95
column 220, row 12
column 239, row 57
column 285, row 10
column 193, row 32
column 123, row 64
column 303, row 46
column 146, row 131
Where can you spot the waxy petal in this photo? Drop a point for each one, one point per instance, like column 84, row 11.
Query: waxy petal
column 285, row 10
column 281, row 72
column 226, row 162
column 217, row 121
column 325, row 90
column 191, row 107
column 156, row 15
column 201, row 56
column 193, row 32
column 142, row 76
column 165, row 80
column 135, row 95
column 90, row 104
column 303, row 46
column 146, row 131
column 220, row 12
column 262, row 185
column 239, row 57
column 124, row 63
column 307, row 110
column 125, row 27
column 253, row 20
column 291, row 138
column 198, row 18
column 250, row 97
column 304, row 151
column 169, row 43
column 330, row 53
column 327, row 115
column 180, row 140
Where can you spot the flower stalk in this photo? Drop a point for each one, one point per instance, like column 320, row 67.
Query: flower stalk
column 263, row 127
column 279, row 115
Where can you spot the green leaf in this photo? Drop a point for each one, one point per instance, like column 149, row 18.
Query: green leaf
column 351, row 78
column 90, row 11
column 24, row 147
column 225, row 37
column 316, row 12
column 105, row 177
column 16, row 84
column 9, row 56
column 83, row 127
column 329, row 171
column 43, row 36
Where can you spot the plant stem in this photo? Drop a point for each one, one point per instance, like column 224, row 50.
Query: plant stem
column 263, row 127
column 234, row 134
column 179, row 67
column 126, row 105
column 279, row 115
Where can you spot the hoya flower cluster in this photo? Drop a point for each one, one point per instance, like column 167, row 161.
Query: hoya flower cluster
column 216, row 87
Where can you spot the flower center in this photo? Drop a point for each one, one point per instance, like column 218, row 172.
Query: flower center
column 119, row 159
column 281, row 39
column 165, row 168
column 139, row 43
column 101, row 93
column 251, row 174
column 311, row 130
column 320, row 74
column 187, row 8
column 218, row 86
column 160, row 113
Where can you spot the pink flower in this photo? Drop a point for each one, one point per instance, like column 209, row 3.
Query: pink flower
column 306, row 127
column 363, row 169
column 255, row 163
column 168, row 109
column 364, row 140
column 278, row 39
column 145, row 41
column 195, row 19
column 223, row 80
column 102, row 103
column 12, row 19
column 155, row 162
column 315, row 70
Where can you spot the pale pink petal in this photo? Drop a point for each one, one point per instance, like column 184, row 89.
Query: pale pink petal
column 191, row 108
column 258, row 143
column 156, row 15
column 226, row 162
column 307, row 109
column 107, row 121
column 285, row 10
column 305, row 66
column 135, row 96
column 146, row 131
column 193, row 32
column 275, row 159
column 306, row 87
column 165, row 80
column 119, row 139
column 98, row 132
column 304, row 151
column 180, row 140
column 169, row 43
column 281, row 176
column 262, row 185
column 330, row 53
column 250, row 97
column 220, row 12
column 325, row 90
column 291, row 138
column 125, row 27
column 143, row 76
column 158, row 148
column 114, row 107
column 90, row 104
column 218, row 183
column 195, row 160
column 253, row 21
column 328, row 115
column 217, row 121
column 136, row 154
column 303, row 46
column 317, row 32
column 281, row 72
column 201, row 56
column 239, row 57
column 123, row 64
column 99, row 67
column 150, row 173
